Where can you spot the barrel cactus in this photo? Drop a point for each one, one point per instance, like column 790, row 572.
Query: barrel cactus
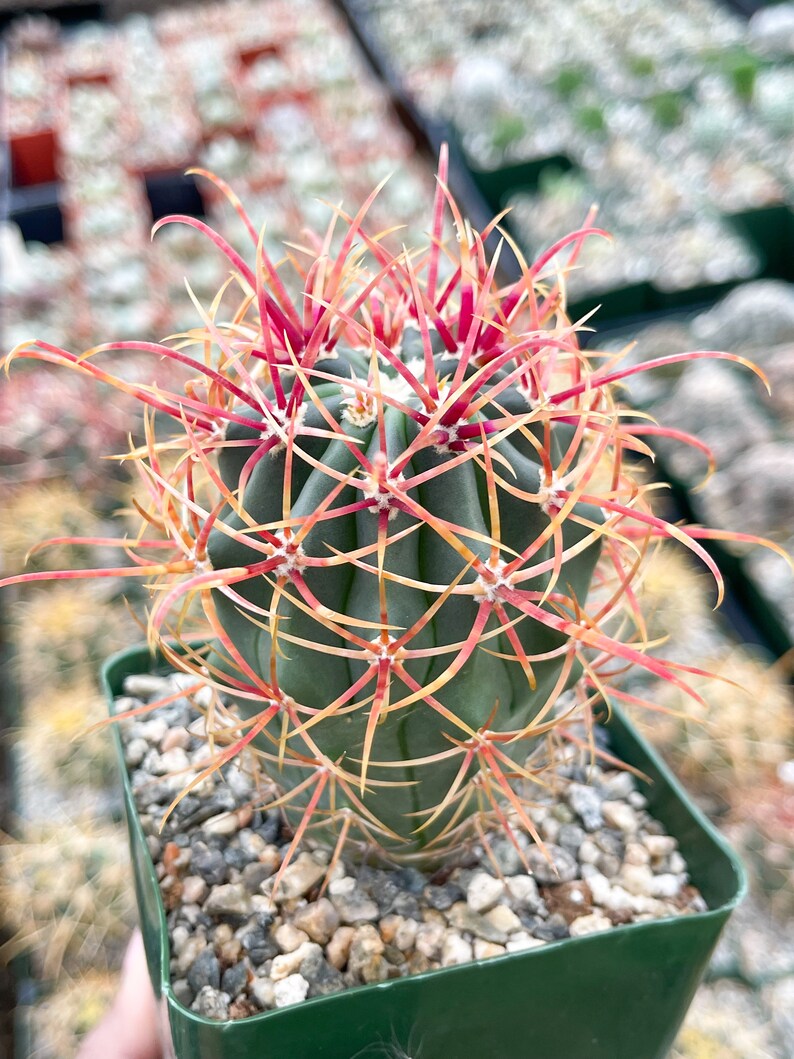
column 402, row 507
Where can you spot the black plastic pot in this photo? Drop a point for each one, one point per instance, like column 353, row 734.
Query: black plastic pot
column 621, row 994
column 172, row 191
column 36, row 210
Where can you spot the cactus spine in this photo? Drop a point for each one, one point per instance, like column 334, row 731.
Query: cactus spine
column 403, row 506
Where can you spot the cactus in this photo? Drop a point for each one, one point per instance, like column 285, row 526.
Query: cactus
column 403, row 505
column 67, row 899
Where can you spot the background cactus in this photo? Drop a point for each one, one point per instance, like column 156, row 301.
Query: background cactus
column 402, row 502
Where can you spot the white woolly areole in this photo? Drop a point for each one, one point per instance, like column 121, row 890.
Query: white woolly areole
column 294, row 557
column 384, row 501
column 399, row 388
column 412, row 324
column 532, row 402
column 453, row 354
column 284, row 703
column 549, row 494
column 490, row 588
column 381, row 650
column 361, row 409
column 281, row 419
column 452, row 436
column 201, row 566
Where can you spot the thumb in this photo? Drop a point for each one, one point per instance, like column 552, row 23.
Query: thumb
column 129, row 1029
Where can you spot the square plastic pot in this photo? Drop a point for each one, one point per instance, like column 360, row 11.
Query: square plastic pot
column 34, row 158
column 621, row 994
column 36, row 210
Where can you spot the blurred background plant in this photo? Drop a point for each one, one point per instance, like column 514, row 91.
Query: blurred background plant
column 736, row 743
column 67, row 897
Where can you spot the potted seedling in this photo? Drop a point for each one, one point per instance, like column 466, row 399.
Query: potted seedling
column 401, row 507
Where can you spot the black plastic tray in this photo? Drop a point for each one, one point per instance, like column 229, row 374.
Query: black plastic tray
column 37, row 211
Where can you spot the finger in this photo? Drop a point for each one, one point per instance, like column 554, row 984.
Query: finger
column 129, row 1029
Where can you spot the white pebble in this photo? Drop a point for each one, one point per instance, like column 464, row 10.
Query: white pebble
column 659, row 846
column 182, row 681
column 520, row 943
column 342, row 887
column 263, row 991
column 290, row 990
column 205, row 789
column 524, row 891
column 676, row 863
column 651, row 907
column 483, row 892
column 429, row 939
column 620, row 785
column 288, row 937
column 484, row 950
column 600, row 887
column 503, row 918
column 455, row 950
column 222, row 824
column 174, row 760
column 550, row 829
column 595, row 923
column 636, row 878
column 405, row 935
column 228, row 899
column 240, row 783
column 618, row 899
column 152, row 730
column 189, row 951
column 264, row 903
column 301, row 876
column 204, row 697
column 135, row 751
column 123, row 704
column 252, row 843
column 179, row 937
column 666, row 885
column 588, row 852
column 175, row 737
column 288, row 963
column 636, row 853
column 194, row 889
column 144, row 685
column 620, row 815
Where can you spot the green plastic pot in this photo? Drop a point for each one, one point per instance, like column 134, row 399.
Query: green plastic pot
column 634, row 300
column 496, row 185
column 621, row 994
column 770, row 229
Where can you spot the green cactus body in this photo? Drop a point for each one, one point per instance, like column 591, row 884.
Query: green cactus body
column 486, row 686
column 402, row 506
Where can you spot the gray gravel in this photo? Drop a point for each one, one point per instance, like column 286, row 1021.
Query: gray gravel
column 236, row 950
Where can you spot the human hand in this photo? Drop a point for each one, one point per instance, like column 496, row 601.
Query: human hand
column 129, row 1028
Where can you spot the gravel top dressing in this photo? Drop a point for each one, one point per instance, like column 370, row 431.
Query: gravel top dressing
column 237, row 951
